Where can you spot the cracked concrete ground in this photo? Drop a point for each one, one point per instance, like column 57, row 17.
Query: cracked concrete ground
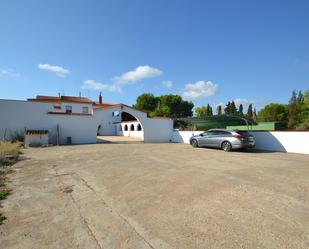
column 156, row 196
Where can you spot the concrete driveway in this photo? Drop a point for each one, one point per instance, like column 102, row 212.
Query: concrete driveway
column 156, row 196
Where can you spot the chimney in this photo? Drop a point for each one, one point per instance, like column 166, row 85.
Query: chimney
column 100, row 98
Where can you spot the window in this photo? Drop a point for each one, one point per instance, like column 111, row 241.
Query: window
column 85, row 109
column 139, row 127
column 68, row 109
column 126, row 127
column 132, row 127
column 116, row 114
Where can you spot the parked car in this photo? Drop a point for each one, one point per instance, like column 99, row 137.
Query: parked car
column 224, row 139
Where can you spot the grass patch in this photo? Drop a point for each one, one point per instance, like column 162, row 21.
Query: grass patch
column 4, row 192
column 9, row 153
column 68, row 190
column 2, row 218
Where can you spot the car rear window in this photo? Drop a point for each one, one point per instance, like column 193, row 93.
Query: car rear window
column 244, row 133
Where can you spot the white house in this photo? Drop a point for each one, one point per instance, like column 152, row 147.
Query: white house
column 78, row 120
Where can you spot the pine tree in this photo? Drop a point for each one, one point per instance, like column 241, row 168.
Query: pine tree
column 210, row 112
column 293, row 98
column 254, row 115
column 227, row 109
column 250, row 112
column 233, row 109
column 300, row 97
column 219, row 110
column 241, row 110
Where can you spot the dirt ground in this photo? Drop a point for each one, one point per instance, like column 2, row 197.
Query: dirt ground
column 120, row 195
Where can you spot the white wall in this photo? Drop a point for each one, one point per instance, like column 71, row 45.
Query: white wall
column 183, row 136
column 36, row 139
column 107, row 121
column 285, row 141
column 129, row 132
column 17, row 116
column 155, row 130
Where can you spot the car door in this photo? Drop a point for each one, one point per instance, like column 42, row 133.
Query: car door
column 206, row 139
column 212, row 138
column 219, row 137
column 202, row 140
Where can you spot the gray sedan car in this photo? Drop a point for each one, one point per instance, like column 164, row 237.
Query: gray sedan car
column 224, row 139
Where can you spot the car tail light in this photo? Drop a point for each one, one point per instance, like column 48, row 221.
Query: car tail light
column 240, row 138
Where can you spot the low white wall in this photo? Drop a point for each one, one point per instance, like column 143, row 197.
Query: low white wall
column 184, row 136
column 36, row 139
column 285, row 141
column 129, row 132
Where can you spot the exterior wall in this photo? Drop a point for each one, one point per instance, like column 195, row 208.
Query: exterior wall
column 81, row 129
column 184, row 136
column 107, row 121
column 129, row 133
column 36, row 139
column 155, row 130
column 17, row 116
column 285, row 141
column 76, row 107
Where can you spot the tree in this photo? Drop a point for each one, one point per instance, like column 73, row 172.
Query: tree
column 178, row 108
column 210, row 111
column 230, row 109
column 161, row 110
column 241, row 111
column 204, row 111
column 250, row 112
column 146, row 102
column 219, row 110
column 293, row 99
column 227, row 109
column 166, row 105
column 273, row 112
column 233, row 109
column 295, row 105
column 300, row 97
column 254, row 115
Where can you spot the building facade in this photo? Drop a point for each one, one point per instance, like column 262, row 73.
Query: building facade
column 77, row 119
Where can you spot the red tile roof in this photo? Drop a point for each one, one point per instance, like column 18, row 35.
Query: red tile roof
column 36, row 132
column 70, row 114
column 53, row 99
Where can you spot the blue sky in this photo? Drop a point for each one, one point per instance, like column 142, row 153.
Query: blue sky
column 206, row 51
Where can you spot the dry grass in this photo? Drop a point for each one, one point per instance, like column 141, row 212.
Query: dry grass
column 9, row 152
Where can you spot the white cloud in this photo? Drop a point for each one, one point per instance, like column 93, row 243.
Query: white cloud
column 93, row 85
column 8, row 72
column 167, row 83
column 200, row 89
column 60, row 71
column 140, row 73
column 247, row 101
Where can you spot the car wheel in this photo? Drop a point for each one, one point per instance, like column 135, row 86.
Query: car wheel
column 226, row 146
column 194, row 143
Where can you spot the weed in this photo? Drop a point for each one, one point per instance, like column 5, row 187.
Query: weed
column 68, row 190
column 2, row 218
column 4, row 192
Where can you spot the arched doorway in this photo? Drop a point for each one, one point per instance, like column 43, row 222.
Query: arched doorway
column 119, row 125
column 130, row 127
